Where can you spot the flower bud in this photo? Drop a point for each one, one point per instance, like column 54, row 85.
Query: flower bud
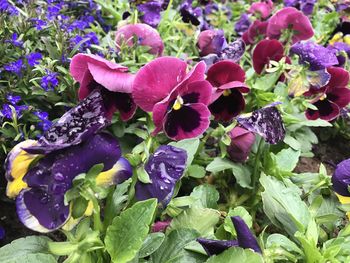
column 241, row 143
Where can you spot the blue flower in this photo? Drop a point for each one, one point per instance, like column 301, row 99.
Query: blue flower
column 14, row 67
column 242, row 24
column 13, row 99
column 44, row 123
column 39, row 24
column 91, row 38
column 6, row 7
column 7, row 111
column 34, row 58
column 49, row 81
column 14, row 41
column 2, row 233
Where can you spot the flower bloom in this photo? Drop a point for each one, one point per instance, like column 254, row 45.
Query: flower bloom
column 245, row 239
column 263, row 8
column 211, row 42
column 160, row 226
column 34, row 58
column 265, row 51
column 150, row 12
column 255, row 31
column 341, row 178
column 330, row 99
column 178, row 100
column 339, row 47
column 314, row 55
column 145, row 36
column 49, row 81
column 242, row 141
column 165, row 167
column 15, row 66
column 228, row 79
column 306, row 6
column 242, row 24
column 290, row 18
column 94, row 72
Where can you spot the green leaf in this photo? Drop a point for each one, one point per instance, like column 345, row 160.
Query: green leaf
column 201, row 219
column 152, row 242
column 94, row 171
column 31, row 249
column 237, row 211
column 79, row 207
column 196, row 171
column 283, row 206
column 267, row 81
column 287, row 159
column 311, row 252
column 207, row 195
column 190, row 146
column 126, row 234
column 278, row 240
column 173, row 248
column 143, row 176
column 236, row 255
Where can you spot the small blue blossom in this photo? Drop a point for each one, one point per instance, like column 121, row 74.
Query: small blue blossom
column 44, row 123
column 53, row 11
column 42, row 115
column 13, row 99
column 34, row 58
column 91, row 38
column 6, row 7
column 49, row 81
column 14, row 67
column 14, row 41
column 7, row 111
column 38, row 23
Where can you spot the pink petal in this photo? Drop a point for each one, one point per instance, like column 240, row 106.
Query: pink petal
column 261, row 7
column 201, row 89
column 156, row 80
column 146, row 35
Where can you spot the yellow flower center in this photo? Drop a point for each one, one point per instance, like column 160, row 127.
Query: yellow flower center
column 178, row 103
column 227, row 92
column 323, row 97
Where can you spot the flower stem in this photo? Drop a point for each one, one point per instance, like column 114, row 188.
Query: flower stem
column 255, row 174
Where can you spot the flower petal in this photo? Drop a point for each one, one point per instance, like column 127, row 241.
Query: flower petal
column 339, row 78
column 340, row 96
column 265, row 51
column 76, row 125
column 215, row 247
column 242, row 141
column 234, row 51
column 341, row 178
column 165, row 167
column 326, row 110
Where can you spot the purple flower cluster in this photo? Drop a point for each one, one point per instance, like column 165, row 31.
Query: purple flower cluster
column 14, row 67
column 6, row 7
column 34, row 58
column 44, row 123
column 49, row 81
column 7, row 108
column 89, row 39
column 14, row 40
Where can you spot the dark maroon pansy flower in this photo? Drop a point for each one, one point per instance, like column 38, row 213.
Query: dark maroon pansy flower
column 211, row 42
column 256, row 31
column 265, row 51
column 267, row 122
column 227, row 100
column 165, row 167
column 245, row 239
column 341, row 178
column 94, row 72
column 263, row 8
column 178, row 100
column 242, row 141
column 330, row 98
column 290, row 18
column 41, row 206
column 76, row 125
column 314, row 55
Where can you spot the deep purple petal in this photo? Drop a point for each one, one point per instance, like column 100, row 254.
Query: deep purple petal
column 150, row 13
column 267, row 122
column 165, row 167
column 75, row 126
column 244, row 235
column 341, row 178
column 214, row 247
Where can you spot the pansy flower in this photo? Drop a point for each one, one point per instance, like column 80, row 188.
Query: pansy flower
column 165, row 167
column 315, row 56
column 144, row 35
column 211, row 42
column 177, row 99
column 255, row 31
column 228, row 79
column 341, row 178
column 76, row 125
column 242, row 141
column 150, row 12
column 265, row 51
column 190, row 14
column 114, row 81
column 330, row 99
column 245, row 239
column 306, row 6
column 267, row 122
column 263, row 8
column 290, row 18
column 40, row 204
column 242, row 24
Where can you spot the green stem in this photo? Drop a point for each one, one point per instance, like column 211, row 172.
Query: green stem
column 62, row 248
column 98, row 225
column 256, row 165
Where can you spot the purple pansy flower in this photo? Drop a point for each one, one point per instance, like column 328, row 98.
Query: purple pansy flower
column 267, row 122
column 341, row 178
column 34, row 58
column 190, row 14
column 242, row 24
column 76, row 125
column 245, row 239
column 314, row 55
column 165, row 167
column 211, row 42
column 150, row 12
column 306, row 6
column 41, row 205
column 339, row 47
column 160, row 226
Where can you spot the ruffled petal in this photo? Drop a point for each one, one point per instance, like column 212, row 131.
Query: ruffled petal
column 340, row 96
column 265, row 51
column 326, row 110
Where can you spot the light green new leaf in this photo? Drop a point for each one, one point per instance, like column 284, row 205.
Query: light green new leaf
column 190, row 146
column 287, row 159
column 196, row 171
column 236, row 255
column 126, row 234
column 152, row 242
column 31, row 249
column 206, row 195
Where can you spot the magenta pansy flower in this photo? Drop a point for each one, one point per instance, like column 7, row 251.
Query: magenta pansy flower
column 255, row 31
column 290, row 18
column 265, row 51
column 143, row 35
column 227, row 100
column 179, row 100
column 330, row 99
column 114, row 80
column 263, row 8
column 242, row 141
